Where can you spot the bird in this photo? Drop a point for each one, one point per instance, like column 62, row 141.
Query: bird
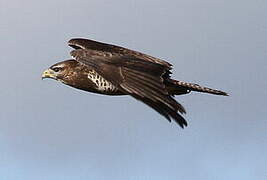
column 113, row 70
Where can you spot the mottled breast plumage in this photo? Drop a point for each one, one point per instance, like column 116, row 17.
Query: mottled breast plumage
column 101, row 84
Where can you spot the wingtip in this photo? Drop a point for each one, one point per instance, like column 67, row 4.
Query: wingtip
column 183, row 125
column 180, row 120
column 77, row 43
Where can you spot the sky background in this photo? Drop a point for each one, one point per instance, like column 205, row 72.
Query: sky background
column 49, row 131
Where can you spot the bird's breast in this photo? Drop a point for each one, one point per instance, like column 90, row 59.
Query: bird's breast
column 101, row 84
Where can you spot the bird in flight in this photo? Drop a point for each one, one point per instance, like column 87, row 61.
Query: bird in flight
column 113, row 70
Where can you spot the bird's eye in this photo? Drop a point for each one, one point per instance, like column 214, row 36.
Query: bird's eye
column 56, row 69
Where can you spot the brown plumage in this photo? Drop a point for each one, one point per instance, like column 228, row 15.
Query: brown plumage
column 113, row 70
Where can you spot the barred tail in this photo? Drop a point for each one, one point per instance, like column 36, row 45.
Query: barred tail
column 195, row 87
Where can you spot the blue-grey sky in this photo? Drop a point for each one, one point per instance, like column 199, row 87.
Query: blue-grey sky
column 49, row 131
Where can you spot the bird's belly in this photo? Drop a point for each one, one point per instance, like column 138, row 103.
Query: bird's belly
column 102, row 86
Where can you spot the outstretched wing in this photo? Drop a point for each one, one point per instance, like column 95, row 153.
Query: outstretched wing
column 137, row 77
column 79, row 43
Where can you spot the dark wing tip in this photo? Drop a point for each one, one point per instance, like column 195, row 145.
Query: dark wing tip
column 182, row 124
column 179, row 119
column 77, row 43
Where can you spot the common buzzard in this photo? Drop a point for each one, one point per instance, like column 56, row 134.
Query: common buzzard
column 112, row 70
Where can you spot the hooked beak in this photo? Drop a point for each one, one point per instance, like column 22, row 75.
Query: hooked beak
column 48, row 74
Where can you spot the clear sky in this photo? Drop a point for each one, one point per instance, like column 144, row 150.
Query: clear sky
column 54, row 132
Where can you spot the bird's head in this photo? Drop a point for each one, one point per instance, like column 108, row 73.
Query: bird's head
column 60, row 71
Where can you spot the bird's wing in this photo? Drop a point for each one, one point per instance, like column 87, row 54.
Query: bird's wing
column 79, row 43
column 139, row 78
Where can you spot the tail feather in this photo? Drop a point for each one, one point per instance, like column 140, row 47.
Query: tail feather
column 196, row 87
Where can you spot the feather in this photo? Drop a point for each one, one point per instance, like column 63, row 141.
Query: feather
column 196, row 87
column 159, row 94
column 80, row 43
